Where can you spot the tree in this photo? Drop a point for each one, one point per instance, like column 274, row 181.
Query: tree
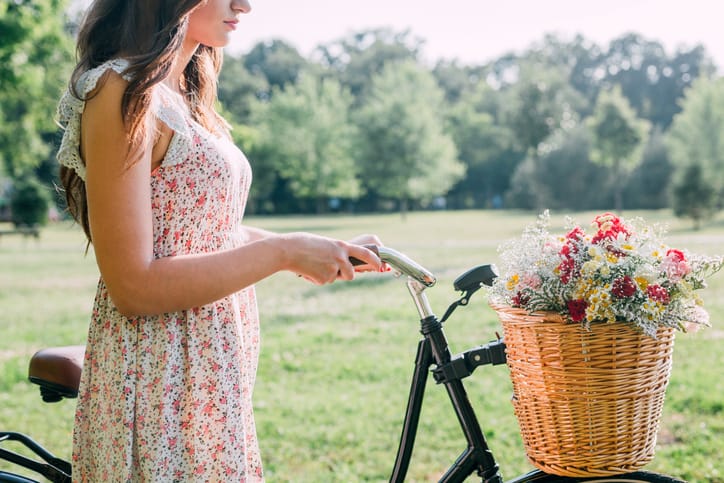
column 486, row 148
column 356, row 59
column 696, row 137
column 650, row 79
column 238, row 88
column 29, row 202
column 405, row 154
column 563, row 177
column 540, row 102
column 277, row 61
column 248, row 139
column 457, row 81
column 306, row 129
column 694, row 195
column 579, row 60
column 35, row 63
column 648, row 186
column 617, row 136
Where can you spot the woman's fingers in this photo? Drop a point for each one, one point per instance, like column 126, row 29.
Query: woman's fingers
column 366, row 240
column 325, row 260
column 370, row 261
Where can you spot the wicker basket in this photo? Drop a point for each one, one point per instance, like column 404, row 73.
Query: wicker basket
column 588, row 402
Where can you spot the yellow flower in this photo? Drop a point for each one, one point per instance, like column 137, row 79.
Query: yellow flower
column 589, row 268
column 512, row 281
column 593, row 252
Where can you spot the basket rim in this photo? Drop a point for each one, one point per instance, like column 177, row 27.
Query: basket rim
column 551, row 317
column 544, row 315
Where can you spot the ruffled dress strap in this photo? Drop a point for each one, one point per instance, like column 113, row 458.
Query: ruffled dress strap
column 169, row 108
column 71, row 108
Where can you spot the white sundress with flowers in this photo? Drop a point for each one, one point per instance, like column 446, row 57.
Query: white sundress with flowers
column 169, row 397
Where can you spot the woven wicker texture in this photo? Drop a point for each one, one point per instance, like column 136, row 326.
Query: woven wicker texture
column 588, row 402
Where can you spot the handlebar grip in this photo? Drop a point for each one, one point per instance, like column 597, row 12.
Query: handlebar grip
column 401, row 263
column 356, row 261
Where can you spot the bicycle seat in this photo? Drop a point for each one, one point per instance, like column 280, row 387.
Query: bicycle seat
column 57, row 371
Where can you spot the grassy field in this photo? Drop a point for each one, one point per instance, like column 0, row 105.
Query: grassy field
column 336, row 360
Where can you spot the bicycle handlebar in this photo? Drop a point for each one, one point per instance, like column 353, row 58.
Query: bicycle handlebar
column 402, row 264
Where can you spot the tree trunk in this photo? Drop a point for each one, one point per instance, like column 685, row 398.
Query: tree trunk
column 403, row 208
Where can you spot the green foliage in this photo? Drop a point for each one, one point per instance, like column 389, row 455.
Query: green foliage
column 29, row 202
column 277, row 61
column 618, row 136
column 647, row 187
column 616, row 130
column 239, row 88
column 404, row 151
column 485, row 147
column 694, row 195
column 305, row 128
column 356, row 59
column 696, row 137
column 649, row 78
column 496, row 113
column 540, row 102
column 35, row 56
column 564, row 177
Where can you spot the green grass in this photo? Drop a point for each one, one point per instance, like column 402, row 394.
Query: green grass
column 336, row 360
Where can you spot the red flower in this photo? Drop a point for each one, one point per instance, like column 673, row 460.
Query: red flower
column 623, row 287
column 675, row 255
column 520, row 299
column 609, row 227
column 675, row 265
column 565, row 251
column 577, row 309
column 576, row 235
column 567, row 268
column 658, row 293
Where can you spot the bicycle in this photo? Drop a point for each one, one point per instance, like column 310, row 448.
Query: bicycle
column 57, row 372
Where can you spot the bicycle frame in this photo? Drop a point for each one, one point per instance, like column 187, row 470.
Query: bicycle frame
column 433, row 349
column 51, row 467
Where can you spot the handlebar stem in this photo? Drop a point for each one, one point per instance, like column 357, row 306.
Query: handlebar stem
column 417, row 289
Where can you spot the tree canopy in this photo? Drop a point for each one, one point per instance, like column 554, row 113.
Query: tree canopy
column 35, row 54
column 406, row 153
column 366, row 120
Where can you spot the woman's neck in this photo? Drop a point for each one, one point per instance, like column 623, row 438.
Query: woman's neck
column 175, row 78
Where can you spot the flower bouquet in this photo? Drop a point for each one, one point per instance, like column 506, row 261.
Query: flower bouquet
column 589, row 321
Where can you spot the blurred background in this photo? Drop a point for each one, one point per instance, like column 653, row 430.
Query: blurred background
column 397, row 106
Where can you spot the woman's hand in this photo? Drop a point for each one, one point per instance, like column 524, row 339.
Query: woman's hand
column 369, row 240
column 323, row 260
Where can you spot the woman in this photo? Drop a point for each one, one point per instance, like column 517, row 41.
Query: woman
column 151, row 175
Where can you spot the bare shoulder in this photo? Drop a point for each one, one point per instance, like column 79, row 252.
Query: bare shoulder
column 103, row 132
column 106, row 98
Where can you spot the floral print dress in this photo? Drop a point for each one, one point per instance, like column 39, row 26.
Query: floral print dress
column 169, row 397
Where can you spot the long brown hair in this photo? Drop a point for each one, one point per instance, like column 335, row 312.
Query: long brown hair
column 149, row 35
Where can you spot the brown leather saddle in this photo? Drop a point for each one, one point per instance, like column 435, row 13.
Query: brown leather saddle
column 57, row 371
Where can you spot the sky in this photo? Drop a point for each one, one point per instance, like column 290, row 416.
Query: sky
column 478, row 31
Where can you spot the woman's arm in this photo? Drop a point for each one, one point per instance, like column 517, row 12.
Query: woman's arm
column 119, row 208
column 255, row 234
